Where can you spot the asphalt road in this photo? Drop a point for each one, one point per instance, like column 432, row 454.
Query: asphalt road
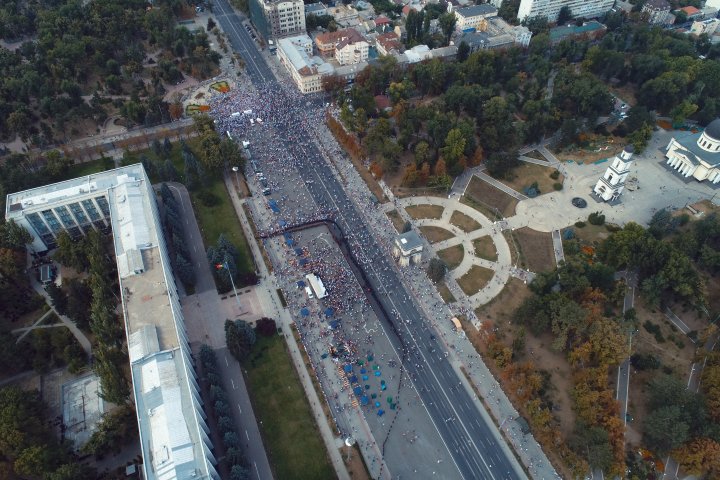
column 199, row 329
column 471, row 440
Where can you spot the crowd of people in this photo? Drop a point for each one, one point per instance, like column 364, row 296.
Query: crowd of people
column 288, row 146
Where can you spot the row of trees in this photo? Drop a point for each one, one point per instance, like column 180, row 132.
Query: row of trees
column 234, row 456
column 172, row 219
column 90, row 254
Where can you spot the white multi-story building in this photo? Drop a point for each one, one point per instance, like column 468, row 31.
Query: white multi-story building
column 612, row 183
column 708, row 27
column 470, row 17
column 657, row 11
column 278, row 18
column 697, row 155
column 295, row 53
column 174, row 439
column 550, row 8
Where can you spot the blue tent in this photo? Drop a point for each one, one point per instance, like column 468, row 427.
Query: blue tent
column 353, row 379
column 381, row 412
column 298, row 252
column 362, row 370
column 365, row 377
column 334, row 324
column 347, row 368
column 304, row 312
column 301, row 284
column 287, row 235
column 329, row 312
column 377, row 404
column 357, row 391
column 364, row 400
column 377, row 373
column 274, row 206
column 303, row 262
column 282, row 223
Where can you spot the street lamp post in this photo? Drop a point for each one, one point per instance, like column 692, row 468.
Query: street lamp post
column 237, row 180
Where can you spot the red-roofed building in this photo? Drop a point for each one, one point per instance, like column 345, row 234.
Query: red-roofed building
column 382, row 102
column 382, row 20
column 387, row 43
column 691, row 12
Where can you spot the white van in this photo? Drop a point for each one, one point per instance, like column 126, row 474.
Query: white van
column 252, row 122
column 309, row 293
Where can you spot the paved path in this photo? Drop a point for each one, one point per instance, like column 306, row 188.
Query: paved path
column 79, row 334
column 501, row 186
column 682, row 326
column 27, row 330
column 558, row 247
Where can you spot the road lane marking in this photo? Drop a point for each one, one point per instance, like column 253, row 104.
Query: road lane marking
column 240, row 409
column 248, row 436
column 233, row 383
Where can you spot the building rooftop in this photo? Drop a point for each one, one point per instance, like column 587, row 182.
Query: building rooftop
column 690, row 10
column 296, row 53
column 408, row 241
column 693, row 152
column 173, row 442
column 315, row 8
column 475, row 10
column 657, row 5
column 560, row 33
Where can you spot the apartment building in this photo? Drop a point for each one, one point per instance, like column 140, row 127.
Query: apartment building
column 551, row 8
column 276, row 19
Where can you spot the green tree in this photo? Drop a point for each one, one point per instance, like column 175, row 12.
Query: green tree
column 665, row 429
column 436, row 269
column 447, row 25
column 564, row 15
column 593, row 443
column 240, row 338
column 34, row 461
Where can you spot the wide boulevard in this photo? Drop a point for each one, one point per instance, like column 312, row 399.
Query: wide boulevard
column 469, row 437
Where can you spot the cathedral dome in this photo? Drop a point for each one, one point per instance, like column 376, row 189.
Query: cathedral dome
column 713, row 129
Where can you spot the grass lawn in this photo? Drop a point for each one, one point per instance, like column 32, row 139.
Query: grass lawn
column 435, row 234
column 485, row 248
column 526, row 174
column 463, row 222
column 486, row 211
column 445, row 293
column 294, row 446
column 88, row 168
column 396, row 220
column 221, row 218
column 425, row 211
column 492, row 198
column 537, row 249
column 452, row 256
column 590, row 234
column 475, row 279
column 536, row 155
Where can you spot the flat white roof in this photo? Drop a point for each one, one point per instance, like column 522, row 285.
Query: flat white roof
column 317, row 285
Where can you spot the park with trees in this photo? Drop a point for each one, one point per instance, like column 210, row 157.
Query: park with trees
column 74, row 64
column 575, row 313
column 446, row 116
